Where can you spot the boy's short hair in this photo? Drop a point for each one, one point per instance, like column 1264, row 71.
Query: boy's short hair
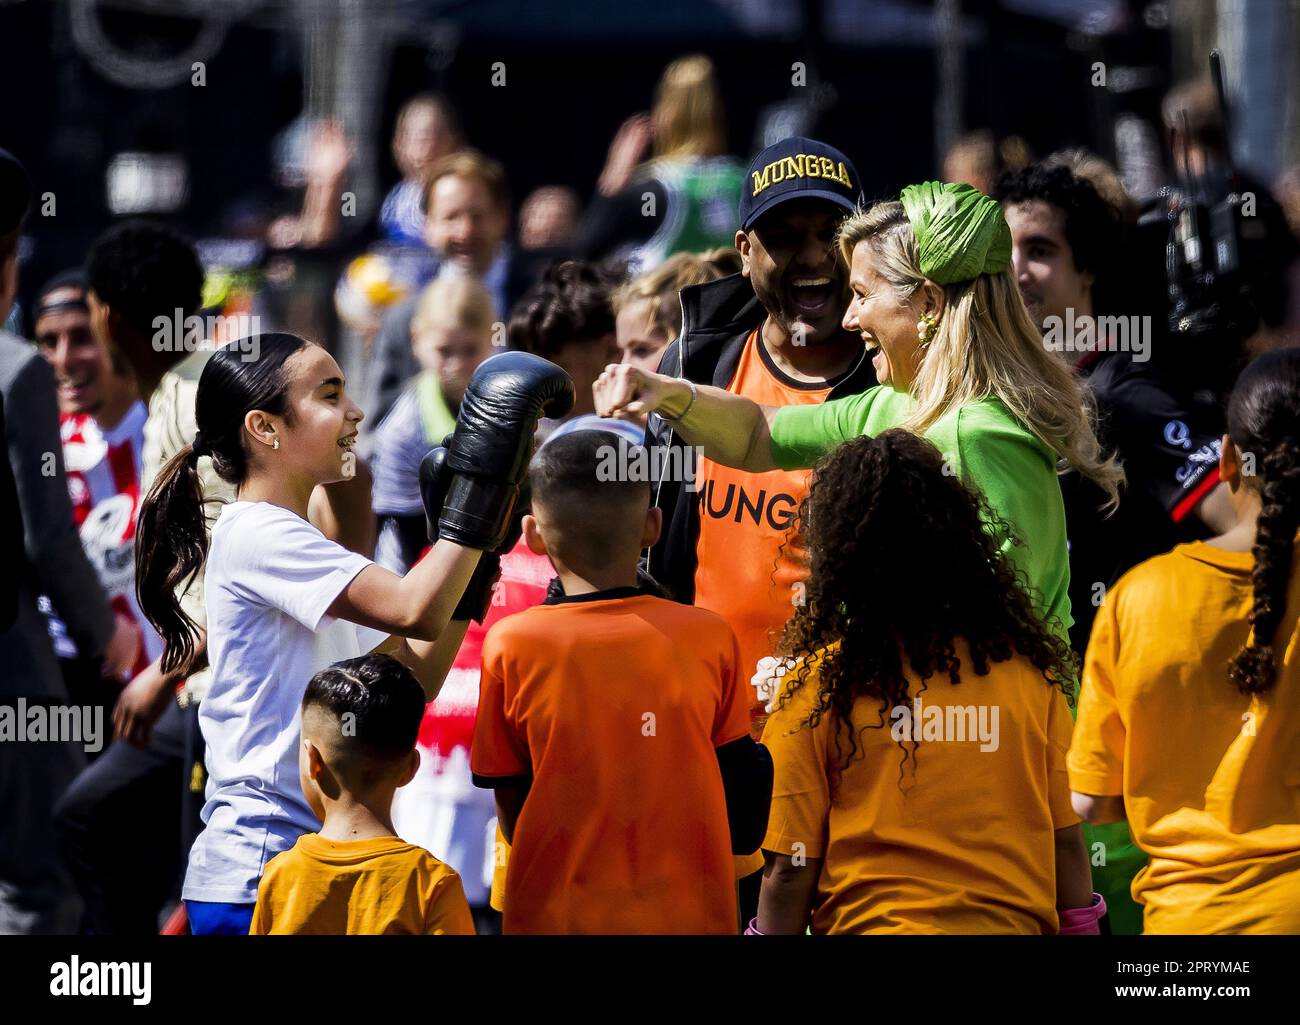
column 379, row 705
column 591, row 485
column 142, row 269
column 571, row 303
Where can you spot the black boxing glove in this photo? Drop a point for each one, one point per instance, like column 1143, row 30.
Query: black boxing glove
column 434, row 482
column 435, row 479
column 488, row 453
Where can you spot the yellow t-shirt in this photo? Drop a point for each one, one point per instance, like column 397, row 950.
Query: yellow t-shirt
column 1210, row 778
column 383, row 886
column 963, row 844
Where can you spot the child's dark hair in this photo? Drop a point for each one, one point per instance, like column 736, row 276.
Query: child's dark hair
column 582, row 479
column 1264, row 424
column 573, row 302
column 143, row 270
column 382, row 697
column 172, row 539
column 902, row 566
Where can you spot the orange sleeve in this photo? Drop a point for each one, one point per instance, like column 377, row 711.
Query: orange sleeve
column 1096, row 759
column 498, row 751
column 732, row 719
column 447, row 912
column 1060, row 727
column 801, row 793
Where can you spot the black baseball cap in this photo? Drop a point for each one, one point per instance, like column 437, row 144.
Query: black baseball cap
column 15, row 192
column 798, row 168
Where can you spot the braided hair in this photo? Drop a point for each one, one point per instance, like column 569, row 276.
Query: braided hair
column 1264, row 425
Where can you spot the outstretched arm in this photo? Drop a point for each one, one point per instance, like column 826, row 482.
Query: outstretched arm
column 732, row 429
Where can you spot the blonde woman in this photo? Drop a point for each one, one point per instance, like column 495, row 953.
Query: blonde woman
column 959, row 362
column 684, row 198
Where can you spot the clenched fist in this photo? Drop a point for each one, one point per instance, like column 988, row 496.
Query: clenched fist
column 627, row 392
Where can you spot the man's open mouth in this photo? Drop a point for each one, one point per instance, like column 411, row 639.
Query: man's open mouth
column 812, row 295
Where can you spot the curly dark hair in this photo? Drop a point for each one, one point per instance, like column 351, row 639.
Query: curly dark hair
column 887, row 509
column 1091, row 224
column 143, row 269
column 573, row 302
column 1264, row 422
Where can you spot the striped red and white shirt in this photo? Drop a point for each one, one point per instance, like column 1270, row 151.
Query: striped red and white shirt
column 103, row 471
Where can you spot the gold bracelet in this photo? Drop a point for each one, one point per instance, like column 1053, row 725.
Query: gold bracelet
column 695, row 394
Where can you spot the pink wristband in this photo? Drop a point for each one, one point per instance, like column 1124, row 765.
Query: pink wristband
column 752, row 928
column 1082, row 921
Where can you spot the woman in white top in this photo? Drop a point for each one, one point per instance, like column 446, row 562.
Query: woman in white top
column 283, row 601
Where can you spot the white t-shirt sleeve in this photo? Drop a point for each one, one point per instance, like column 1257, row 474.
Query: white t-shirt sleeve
column 281, row 560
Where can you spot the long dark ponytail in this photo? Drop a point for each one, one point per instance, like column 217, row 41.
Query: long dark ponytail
column 1264, row 425
column 171, row 536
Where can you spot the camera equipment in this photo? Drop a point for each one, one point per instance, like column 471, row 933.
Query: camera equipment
column 1209, row 295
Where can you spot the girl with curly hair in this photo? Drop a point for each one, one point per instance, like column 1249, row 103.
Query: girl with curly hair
column 1189, row 723
column 919, row 742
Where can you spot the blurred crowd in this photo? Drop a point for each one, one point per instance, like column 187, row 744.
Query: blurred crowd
column 454, row 271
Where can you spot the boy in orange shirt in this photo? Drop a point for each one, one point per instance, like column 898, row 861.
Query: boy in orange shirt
column 360, row 719
column 613, row 725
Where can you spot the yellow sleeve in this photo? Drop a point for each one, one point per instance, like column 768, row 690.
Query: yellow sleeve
column 801, row 792
column 261, row 923
column 447, row 911
column 1096, row 759
column 500, row 862
column 1060, row 727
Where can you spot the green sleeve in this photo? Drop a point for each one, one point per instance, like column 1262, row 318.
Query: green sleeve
column 1018, row 479
column 801, row 435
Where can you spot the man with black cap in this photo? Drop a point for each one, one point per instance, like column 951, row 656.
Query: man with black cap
column 771, row 333
column 43, row 554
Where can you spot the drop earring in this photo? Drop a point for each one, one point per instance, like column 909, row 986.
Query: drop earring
column 275, row 443
column 925, row 328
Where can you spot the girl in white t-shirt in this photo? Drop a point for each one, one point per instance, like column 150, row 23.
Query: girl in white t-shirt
column 283, row 601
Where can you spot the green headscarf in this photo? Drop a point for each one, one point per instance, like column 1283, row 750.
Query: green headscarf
column 960, row 232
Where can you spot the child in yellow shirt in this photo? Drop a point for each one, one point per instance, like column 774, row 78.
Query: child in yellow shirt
column 920, row 731
column 1189, row 723
column 360, row 719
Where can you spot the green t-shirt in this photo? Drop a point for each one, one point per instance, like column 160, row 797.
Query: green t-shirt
column 986, row 447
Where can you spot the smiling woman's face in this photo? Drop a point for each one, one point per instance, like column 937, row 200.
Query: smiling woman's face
column 886, row 324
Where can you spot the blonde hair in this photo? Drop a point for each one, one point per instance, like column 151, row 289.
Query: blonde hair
column 454, row 300
column 662, row 284
column 687, row 115
column 986, row 345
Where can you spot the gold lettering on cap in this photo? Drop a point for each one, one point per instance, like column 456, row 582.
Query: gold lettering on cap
column 801, row 165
